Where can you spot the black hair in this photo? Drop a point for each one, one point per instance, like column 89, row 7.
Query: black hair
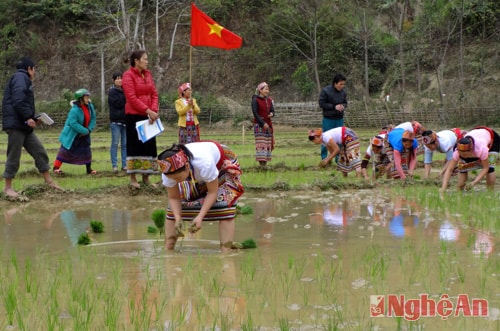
column 25, row 63
column 338, row 78
column 174, row 149
column 116, row 75
column 136, row 55
column 311, row 138
column 466, row 141
column 427, row 133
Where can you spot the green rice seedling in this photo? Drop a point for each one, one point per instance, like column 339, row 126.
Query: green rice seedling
column 249, row 323
column 249, row 243
column 248, row 268
column 84, row 239
column 10, row 301
column 284, row 324
column 152, row 229
column 158, row 216
column 460, row 273
column 245, row 210
column 111, row 312
column 97, row 226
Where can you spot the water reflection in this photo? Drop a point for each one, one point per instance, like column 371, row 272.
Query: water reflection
column 319, row 254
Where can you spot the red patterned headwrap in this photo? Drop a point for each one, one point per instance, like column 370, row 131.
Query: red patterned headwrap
column 182, row 88
column 173, row 162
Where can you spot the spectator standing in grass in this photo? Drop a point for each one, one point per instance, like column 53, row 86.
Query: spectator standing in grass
column 18, row 121
column 333, row 102
column 75, row 136
column 187, row 109
column 118, row 126
column 263, row 111
column 142, row 104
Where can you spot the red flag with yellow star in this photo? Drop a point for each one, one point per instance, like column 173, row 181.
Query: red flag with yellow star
column 206, row 32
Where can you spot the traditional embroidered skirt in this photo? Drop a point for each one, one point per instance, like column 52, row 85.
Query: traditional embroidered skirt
column 380, row 164
column 79, row 153
column 141, row 157
column 189, row 134
column 230, row 189
column 350, row 154
column 405, row 160
column 468, row 164
column 264, row 143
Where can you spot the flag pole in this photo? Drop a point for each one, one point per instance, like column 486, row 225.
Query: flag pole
column 190, row 63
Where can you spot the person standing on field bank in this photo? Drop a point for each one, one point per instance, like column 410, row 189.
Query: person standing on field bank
column 333, row 102
column 263, row 111
column 19, row 122
column 116, row 103
column 187, row 109
column 477, row 150
column 75, row 136
column 141, row 104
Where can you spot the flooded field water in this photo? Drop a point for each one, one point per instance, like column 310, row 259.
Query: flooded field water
column 324, row 261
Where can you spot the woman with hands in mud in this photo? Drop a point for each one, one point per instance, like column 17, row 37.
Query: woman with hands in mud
column 477, row 150
column 203, row 184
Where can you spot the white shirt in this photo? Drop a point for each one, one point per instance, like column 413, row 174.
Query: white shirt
column 206, row 155
column 335, row 134
column 447, row 140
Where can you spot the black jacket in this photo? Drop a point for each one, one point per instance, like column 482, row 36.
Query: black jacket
column 18, row 104
column 116, row 103
column 329, row 98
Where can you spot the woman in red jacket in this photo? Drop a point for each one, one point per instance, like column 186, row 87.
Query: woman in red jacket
column 142, row 103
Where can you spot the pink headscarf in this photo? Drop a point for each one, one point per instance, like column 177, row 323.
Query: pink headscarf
column 182, row 88
column 260, row 87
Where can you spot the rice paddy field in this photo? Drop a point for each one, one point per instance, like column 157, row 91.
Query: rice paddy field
column 332, row 253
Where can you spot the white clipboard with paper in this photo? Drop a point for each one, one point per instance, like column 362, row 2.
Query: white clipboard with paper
column 146, row 131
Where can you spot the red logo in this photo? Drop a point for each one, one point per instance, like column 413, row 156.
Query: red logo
column 377, row 305
column 424, row 306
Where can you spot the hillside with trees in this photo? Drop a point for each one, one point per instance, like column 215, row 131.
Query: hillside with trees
column 433, row 54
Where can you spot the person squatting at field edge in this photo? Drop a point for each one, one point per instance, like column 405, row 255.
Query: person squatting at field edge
column 203, row 184
column 343, row 142
column 187, row 109
column 444, row 142
column 401, row 148
column 477, row 150
column 263, row 111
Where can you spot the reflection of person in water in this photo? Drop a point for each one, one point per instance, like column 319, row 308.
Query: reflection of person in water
column 404, row 221
column 263, row 229
column 76, row 223
column 448, row 231
column 336, row 214
column 483, row 245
